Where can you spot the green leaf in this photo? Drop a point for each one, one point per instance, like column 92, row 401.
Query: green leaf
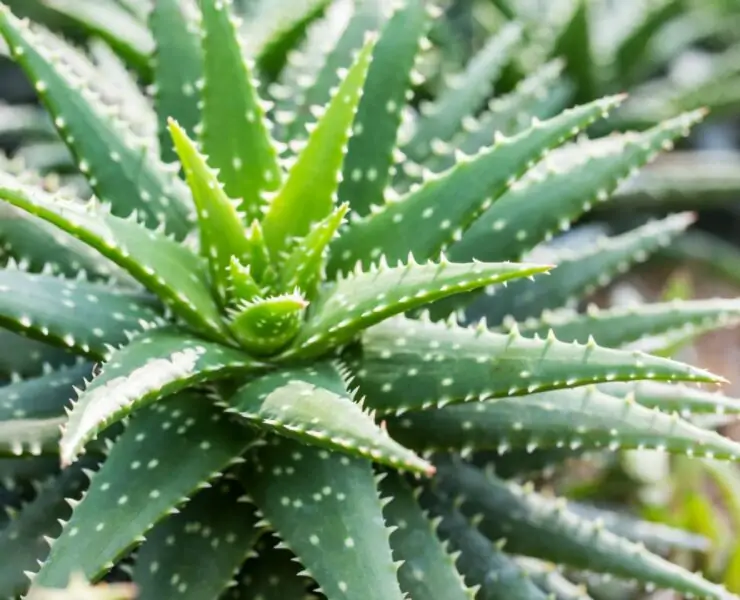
column 325, row 507
column 278, row 27
column 428, row 570
column 541, row 95
column 36, row 243
column 443, row 119
column 177, row 62
column 312, row 405
column 217, row 523
column 241, row 283
column 424, row 222
column 370, row 152
column 580, row 419
column 304, row 268
column 481, row 562
column 273, row 571
column 309, row 193
column 578, row 273
column 152, row 366
column 83, row 317
column 624, row 326
column 555, row 193
column 674, row 398
column 125, row 34
column 235, row 134
column 165, row 267
column 719, row 256
column 574, row 45
column 22, row 357
column 549, row 580
column 166, row 453
column 631, row 54
column 407, row 364
column 131, row 180
column 220, row 225
column 362, row 299
column 267, row 325
column 544, row 528
column 366, row 17
column 258, row 257
column 23, row 542
column 32, row 411
column 79, row 587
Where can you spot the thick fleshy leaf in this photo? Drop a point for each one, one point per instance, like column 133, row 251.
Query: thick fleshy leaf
column 370, row 152
column 366, row 17
column 541, row 95
column 220, row 225
column 107, row 20
column 721, row 257
column 356, row 302
column 674, row 398
column 310, row 191
column 325, row 507
column 273, row 571
column 267, row 325
column 574, row 45
column 167, row 268
column 427, row 571
column 177, row 63
column 547, row 577
column 407, row 364
column 581, row 418
column 39, row 245
column 542, row 527
column 132, row 180
column 304, row 268
column 481, row 562
column 22, row 357
column 235, row 135
column 79, row 587
column 242, row 284
column 23, row 542
column 165, row 454
column 618, row 327
column 217, row 523
column 153, row 365
column 444, row 118
column 560, row 189
column 32, row 411
column 578, row 272
column 81, row 316
column 312, row 405
column 424, row 222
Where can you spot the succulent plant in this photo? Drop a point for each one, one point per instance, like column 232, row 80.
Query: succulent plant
column 259, row 355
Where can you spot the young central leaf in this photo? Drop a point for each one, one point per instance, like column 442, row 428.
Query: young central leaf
column 266, row 325
column 309, row 193
column 221, row 227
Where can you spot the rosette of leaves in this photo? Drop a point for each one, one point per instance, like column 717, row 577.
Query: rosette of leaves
column 242, row 374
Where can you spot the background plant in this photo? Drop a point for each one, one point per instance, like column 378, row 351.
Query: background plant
column 261, row 310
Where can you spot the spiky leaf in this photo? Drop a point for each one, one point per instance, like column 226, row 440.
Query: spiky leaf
column 309, row 193
column 165, row 454
column 427, row 569
column 312, row 405
column 235, row 135
column 267, row 325
column 670, row 398
column 580, row 419
column 219, row 523
column 131, row 180
column 407, row 364
column 165, row 267
column 153, row 365
column 83, row 317
column 355, row 302
column 325, row 507
column 423, row 222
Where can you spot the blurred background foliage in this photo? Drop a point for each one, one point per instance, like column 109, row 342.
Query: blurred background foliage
column 668, row 56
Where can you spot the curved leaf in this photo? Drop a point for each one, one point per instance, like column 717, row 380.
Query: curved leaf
column 152, row 366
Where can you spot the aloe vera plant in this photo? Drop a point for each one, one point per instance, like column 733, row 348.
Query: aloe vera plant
column 257, row 356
